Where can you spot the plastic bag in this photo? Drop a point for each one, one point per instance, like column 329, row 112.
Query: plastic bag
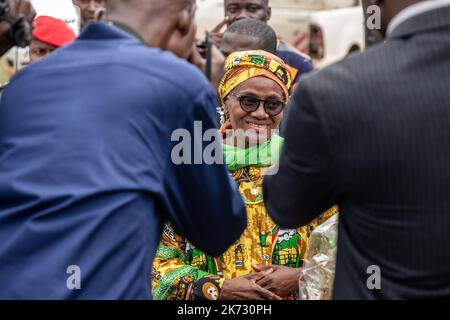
column 317, row 276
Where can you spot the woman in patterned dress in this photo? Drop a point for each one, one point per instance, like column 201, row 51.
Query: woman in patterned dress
column 265, row 262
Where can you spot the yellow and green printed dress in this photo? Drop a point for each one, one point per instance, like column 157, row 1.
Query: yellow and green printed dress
column 182, row 272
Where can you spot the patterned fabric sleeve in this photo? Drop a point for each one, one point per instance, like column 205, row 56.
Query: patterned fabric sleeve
column 174, row 275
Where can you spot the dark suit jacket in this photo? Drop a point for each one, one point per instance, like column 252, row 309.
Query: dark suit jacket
column 372, row 134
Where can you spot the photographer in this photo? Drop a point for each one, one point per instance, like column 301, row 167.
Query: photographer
column 16, row 17
column 208, row 58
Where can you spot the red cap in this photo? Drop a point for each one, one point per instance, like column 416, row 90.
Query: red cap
column 53, row 31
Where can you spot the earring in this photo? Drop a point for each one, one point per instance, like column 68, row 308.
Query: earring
column 223, row 115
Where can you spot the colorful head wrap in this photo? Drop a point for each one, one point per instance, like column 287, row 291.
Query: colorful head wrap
column 244, row 65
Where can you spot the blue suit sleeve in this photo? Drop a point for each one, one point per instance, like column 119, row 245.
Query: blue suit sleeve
column 201, row 200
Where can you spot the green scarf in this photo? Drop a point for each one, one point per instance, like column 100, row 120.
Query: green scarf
column 261, row 155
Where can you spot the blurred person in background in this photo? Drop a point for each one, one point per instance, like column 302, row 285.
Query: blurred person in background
column 235, row 10
column 90, row 11
column 200, row 54
column 17, row 9
column 12, row 62
column 248, row 34
column 14, row 31
column 48, row 35
column 243, row 35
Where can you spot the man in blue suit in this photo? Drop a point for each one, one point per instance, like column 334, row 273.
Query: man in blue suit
column 86, row 172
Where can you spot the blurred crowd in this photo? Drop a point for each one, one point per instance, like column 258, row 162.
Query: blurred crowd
column 56, row 26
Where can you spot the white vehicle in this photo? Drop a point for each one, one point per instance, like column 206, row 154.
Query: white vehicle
column 60, row 9
column 326, row 30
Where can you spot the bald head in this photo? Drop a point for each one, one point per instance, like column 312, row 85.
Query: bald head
column 248, row 34
column 167, row 24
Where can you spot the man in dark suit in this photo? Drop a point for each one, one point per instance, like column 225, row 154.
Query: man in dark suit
column 88, row 175
column 372, row 134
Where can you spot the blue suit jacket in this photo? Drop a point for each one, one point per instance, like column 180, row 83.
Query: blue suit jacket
column 86, row 172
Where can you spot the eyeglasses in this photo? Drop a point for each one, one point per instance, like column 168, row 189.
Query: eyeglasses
column 251, row 104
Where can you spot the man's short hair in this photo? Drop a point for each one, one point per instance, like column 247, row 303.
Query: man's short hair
column 257, row 29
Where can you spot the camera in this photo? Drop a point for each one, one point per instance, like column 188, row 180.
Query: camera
column 20, row 31
column 204, row 48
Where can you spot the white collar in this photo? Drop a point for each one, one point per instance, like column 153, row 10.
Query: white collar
column 414, row 10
